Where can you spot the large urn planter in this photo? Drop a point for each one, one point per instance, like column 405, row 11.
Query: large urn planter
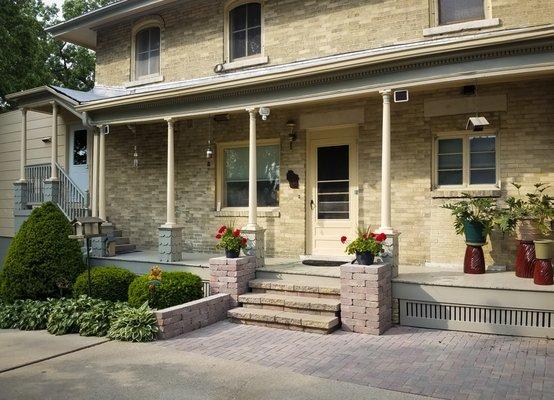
column 475, row 233
column 543, row 273
column 527, row 230
column 365, row 258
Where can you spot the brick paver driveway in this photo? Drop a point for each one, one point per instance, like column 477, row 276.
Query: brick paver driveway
column 443, row 364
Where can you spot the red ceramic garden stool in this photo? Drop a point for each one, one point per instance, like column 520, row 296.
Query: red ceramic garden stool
column 543, row 274
column 525, row 258
column 474, row 261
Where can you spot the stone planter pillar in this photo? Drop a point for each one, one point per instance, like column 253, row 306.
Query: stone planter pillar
column 231, row 276
column 170, row 243
column 366, row 298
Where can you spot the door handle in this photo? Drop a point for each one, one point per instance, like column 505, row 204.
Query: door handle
column 312, row 204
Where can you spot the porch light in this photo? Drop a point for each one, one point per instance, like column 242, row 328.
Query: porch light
column 264, row 112
column 476, row 124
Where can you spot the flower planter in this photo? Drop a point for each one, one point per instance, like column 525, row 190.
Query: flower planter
column 526, row 229
column 474, row 232
column 543, row 249
column 365, row 258
column 232, row 253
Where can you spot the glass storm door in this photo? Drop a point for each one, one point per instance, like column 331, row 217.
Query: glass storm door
column 333, row 206
column 78, row 158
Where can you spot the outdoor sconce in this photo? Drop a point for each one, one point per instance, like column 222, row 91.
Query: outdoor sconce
column 476, row 124
column 264, row 112
column 292, row 134
column 293, row 179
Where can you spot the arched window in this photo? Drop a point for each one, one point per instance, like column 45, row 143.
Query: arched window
column 245, row 31
column 147, row 52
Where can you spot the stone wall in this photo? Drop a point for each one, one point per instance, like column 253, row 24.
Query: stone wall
column 136, row 197
column 193, row 39
column 231, row 276
column 175, row 321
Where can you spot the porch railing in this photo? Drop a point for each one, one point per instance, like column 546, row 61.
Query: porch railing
column 71, row 200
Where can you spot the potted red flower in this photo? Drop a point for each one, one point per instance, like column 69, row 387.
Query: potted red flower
column 366, row 246
column 231, row 240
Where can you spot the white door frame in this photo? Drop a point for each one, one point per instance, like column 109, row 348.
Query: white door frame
column 330, row 136
column 69, row 153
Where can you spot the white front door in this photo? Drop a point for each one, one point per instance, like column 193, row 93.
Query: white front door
column 332, row 189
column 78, row 157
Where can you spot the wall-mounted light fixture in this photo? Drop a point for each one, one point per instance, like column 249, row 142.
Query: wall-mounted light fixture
column 264, row 112
column 47, row 139
column 292, row 134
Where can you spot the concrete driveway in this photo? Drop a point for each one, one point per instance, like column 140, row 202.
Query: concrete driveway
column 115, row 370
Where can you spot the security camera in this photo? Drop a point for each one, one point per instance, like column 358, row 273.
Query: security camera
column 476, row 124
column 264, row 112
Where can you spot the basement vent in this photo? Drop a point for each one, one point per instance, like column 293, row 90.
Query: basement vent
column 484, row 319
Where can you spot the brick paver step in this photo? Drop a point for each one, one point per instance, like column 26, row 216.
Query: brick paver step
column 306, row 288
column 294, row 302
column 284, row 320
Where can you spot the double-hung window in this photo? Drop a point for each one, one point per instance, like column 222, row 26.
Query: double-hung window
column 147, row 52
column 455, row 11
column 466, row 160
column 234, row 174
column 245, row 31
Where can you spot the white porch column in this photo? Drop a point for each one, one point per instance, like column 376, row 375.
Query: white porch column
column 252, row 174
column 102, row 176
column 385, row 165
column 54, row 157
column 95, row 158
column 23, row 155
column 170, row 219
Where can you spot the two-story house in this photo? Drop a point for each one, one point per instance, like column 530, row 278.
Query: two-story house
column 299, row 120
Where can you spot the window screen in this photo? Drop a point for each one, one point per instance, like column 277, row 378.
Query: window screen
column 147, row 52
column 452, row 11
column 482, row 166
column 450, row 161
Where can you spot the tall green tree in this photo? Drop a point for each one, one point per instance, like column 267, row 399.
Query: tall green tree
column 30, row 57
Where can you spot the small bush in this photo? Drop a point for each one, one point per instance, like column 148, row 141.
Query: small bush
column 173, row 289
column 40, row 256
column 134, row 325
column 107, row 283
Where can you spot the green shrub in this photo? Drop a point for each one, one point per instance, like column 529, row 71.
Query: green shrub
column 40, row 256
column 34, row 314
column 107, row 283
column 134, row 325
column 10, row 314
column 98, row 319
column 173, row 289
column 66, row 313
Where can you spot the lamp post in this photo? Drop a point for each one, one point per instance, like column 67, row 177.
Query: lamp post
column 84, row 229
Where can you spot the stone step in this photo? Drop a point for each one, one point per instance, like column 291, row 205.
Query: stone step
column 305, row 289
column 122, row 240
column 124, row 248
column 299, row 304
column 284, row 320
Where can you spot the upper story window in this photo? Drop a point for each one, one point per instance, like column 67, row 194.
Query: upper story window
column 147, row 52
column 454, row 11
column 245, row 31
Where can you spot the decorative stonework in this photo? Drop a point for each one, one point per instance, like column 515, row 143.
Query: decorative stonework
column 256, row 245
column 231, row 276
column 98, row 246
column 391, row 253
column 20, row 195
column 170, row 244
column 51, row 190
column 366, row 298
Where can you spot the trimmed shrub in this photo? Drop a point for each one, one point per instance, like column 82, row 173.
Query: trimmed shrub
column 134, row 325
column 107, row 283
column 40, row 256
column 173, row 289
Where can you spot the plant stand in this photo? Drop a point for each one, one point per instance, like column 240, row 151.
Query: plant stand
column 474, row 261
column 525, row 259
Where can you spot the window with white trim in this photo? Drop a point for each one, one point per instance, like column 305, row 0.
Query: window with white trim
column 455, row 11
column 466, row 160
column 233, row 173
column 147, row 52
column 245, row 31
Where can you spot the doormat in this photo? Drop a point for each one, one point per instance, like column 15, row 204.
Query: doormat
column 323, row 263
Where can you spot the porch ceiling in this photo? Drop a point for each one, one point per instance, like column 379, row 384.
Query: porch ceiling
column 491, row 65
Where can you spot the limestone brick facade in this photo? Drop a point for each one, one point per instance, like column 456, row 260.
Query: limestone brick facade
column 192, row 41
column 136, row 196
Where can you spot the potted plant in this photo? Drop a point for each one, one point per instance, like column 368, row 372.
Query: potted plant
column 543, row 249
column 231, row 240
column 474, row 217
column 529, row 216
column 366, row 246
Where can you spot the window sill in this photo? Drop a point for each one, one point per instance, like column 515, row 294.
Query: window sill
column 247, row 62
column 144, row 81
column 239, row 212
column 459, row 193
column 462, row 26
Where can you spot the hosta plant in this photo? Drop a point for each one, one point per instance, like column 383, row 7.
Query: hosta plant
column 66, row 314
column 98, row 319
column 10, row 314
column 134, row 325
column 34, row 314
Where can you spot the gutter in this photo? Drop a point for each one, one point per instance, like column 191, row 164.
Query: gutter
column 336, row 64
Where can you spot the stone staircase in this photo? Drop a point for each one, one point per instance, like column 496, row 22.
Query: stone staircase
column 275, row 303
column 122, row 243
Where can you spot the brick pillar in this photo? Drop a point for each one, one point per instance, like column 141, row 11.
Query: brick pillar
column 231, row 276
column 366, row 298
column 20, row 195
